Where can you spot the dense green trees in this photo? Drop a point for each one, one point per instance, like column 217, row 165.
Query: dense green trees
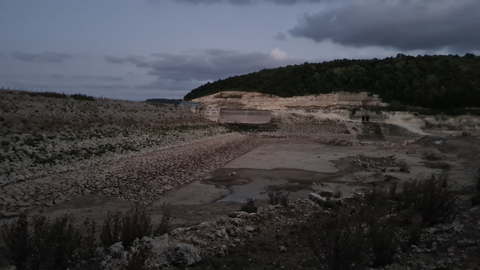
column 437, row 82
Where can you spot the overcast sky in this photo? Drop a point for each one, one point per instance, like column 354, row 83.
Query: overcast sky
column 139, row 49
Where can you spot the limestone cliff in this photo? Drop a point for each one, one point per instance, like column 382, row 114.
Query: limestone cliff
column 258, row 101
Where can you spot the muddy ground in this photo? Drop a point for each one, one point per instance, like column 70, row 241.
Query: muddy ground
column 299, row 166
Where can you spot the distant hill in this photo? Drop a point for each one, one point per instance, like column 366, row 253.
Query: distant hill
column 164, row 100
column 436, row 82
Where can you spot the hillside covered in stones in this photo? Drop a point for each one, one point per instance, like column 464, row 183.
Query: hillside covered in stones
column 55, row 149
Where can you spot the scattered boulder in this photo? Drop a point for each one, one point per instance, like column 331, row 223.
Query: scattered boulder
column 317, row 198
column 159, row 246
column 326, row 193
column 332, row 202
column 236, row 214
column 116, row 250
column 183, row 255
column 388, row 177
column 249, row 229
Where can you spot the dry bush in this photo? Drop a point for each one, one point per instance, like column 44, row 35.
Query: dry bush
column 337, row 192
column 383, row 238
column 276, row 196
column 415, row 230
column 111, row 229
column 376, row 197
column 17, row 239
column 137, row 223
column 166, row 220
column 138, row 258
column 476, row 196
column 339, row 241
column 389, row 221
column 427, row 198
column 40, row 244
column 82, row 97
column 249, row 206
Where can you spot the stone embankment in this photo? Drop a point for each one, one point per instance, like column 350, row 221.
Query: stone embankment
column 57, row 149
column 137, row 178
column 40, row 136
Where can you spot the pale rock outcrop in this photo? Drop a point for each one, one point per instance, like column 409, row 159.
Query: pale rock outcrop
column 259, row 101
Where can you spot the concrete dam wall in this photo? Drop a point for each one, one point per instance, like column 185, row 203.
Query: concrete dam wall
column 241, row 116
column 244, row 116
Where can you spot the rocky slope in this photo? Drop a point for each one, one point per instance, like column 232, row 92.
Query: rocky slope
column 56, row 149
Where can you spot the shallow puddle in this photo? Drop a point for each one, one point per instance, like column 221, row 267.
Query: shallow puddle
column 249, row 183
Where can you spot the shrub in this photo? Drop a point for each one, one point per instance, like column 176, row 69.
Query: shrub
column 47, row 94
column 137, row 223
column 432, row 202
column 57, row 245
column 415, row 231
column 249, row 206
column 476, row 195
column 339, row 241
column 376, row 196
column 111, row 229
column 165, row 221
column 337, row 192
column 138, row 257
column 17, row 239
column 276, row 196
column 82, row 97
column 383, row 239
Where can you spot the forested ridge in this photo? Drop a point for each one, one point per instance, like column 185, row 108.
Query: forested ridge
column 436, row 82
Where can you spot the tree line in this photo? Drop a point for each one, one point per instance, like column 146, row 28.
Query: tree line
column 437, row 82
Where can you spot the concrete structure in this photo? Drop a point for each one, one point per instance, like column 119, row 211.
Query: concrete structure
column 244, row 116
column 226, row 115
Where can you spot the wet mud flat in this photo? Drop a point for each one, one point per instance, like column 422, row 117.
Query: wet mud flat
column 298, row 166
column 301, row 167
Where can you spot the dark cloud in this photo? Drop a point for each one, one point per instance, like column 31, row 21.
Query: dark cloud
column 292, row 2
column 86, row 77
column 41, row 57
column 40, row 85
column 106, row 86
column 56, row 76
column 200, row 2
column 404, row 25
column 162, row 84
column 139, row 61
column 210, row 64
column 240, row 2
column 280, row 36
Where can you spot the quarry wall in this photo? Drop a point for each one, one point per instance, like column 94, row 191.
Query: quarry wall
column 228, row 115
column 258, row 101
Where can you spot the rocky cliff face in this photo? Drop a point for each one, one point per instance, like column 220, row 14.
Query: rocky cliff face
column 258, row 101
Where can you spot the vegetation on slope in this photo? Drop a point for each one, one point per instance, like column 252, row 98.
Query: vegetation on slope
column 437, row 82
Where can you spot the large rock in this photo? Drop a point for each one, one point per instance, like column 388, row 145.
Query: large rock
column 116, row 250
column 116, row 257
column 159, row 246
column 184, row 255
column 317, row 198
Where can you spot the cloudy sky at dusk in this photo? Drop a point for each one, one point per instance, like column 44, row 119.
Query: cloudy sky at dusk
column 139, row 49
